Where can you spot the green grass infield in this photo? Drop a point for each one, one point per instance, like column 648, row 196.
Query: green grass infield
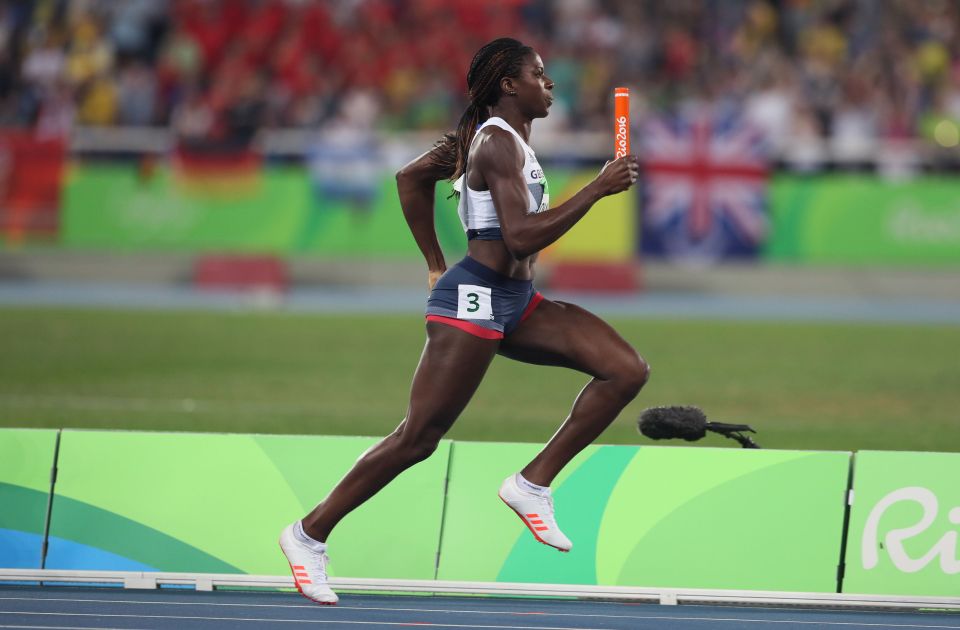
column 832, row 386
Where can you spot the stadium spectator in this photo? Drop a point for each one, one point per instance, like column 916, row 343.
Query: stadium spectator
column 192, row 119
column 849, row 72
column 136, row 94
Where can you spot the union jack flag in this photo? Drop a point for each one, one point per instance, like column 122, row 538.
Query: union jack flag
column 705, row 181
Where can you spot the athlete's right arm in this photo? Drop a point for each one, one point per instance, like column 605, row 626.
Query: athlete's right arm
column 500, row 161
column 416, row 183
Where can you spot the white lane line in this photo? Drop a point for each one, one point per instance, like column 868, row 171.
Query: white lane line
column 160, row 602
column 500, row 612
column 547, row 603
column 315, row 621
column 341, row 606
column 850, row 624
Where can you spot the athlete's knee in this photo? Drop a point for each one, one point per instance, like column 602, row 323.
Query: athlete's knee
column 631, row 374
column 415, row 446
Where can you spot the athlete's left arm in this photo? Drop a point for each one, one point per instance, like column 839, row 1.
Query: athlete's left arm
column 416, row 184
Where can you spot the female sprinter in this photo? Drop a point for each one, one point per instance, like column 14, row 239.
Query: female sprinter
column 486, row 304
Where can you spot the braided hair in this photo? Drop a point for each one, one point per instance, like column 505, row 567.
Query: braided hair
column 499, row 59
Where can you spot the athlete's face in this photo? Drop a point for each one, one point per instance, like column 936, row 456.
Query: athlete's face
column 533, row 87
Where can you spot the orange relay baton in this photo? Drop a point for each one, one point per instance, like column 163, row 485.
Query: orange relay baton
column 621, row 122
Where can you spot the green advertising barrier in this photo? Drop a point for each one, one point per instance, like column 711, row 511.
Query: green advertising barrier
column 655, row 516
column 864, row 219
column 276, row 209
column 904, row 521
column 26, row 462
column 214, row 503
column 273, row 210
column 825, row 219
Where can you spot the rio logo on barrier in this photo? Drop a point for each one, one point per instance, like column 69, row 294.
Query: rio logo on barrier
column 946, row 547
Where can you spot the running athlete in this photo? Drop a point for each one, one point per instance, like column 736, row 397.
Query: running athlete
column 486, row 305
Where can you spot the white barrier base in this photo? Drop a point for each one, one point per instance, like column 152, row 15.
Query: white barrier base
column 664, row 596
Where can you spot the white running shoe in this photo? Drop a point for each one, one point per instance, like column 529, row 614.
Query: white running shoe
column 309, row 568
column 536, row 512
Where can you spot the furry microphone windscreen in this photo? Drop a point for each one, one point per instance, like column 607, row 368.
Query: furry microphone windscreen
column 686, row 422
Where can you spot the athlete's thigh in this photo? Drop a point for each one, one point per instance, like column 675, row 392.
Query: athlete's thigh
column 566, row 335
column 451, row 368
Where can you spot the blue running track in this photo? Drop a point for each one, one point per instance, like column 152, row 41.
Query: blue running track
column 66, row 608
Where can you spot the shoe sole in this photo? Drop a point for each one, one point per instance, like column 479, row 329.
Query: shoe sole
column 297, row 582
column 532, row 531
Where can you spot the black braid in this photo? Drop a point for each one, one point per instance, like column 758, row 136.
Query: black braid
column 499, row 59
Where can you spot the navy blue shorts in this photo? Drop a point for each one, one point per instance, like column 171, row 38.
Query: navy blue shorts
column 477, row 299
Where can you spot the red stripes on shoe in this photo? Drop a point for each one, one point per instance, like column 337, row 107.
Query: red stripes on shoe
column 297, row 582
column 535, row 520
column 530, row 527
column 300, row 575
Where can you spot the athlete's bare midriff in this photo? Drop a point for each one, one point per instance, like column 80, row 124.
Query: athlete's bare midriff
column 496, row 256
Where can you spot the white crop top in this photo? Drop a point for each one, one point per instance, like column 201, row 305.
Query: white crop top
column 476, row 207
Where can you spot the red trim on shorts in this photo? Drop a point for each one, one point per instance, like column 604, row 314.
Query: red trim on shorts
column 534, row 303
column 473, row 329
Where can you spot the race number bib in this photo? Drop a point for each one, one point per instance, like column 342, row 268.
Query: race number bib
column 473, row 302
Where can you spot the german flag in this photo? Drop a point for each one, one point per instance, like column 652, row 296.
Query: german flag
column 223, row 175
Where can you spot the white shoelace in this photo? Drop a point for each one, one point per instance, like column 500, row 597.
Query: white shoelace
column 318, row 564
column 548, row 500
column 550, row 509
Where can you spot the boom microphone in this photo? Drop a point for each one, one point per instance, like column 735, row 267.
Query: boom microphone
column 689, row 423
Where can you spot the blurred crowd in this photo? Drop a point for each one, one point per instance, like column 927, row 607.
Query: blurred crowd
column 220, row 70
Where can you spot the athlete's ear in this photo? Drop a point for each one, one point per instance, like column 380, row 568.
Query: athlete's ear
column 507, row 87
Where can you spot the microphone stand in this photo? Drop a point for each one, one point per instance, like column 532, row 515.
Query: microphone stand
column 734, row 432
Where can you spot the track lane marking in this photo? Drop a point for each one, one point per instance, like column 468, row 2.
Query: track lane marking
column 340, row 606
column 850, row 624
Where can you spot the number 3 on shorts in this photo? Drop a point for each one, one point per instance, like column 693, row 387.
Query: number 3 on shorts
column 473, row 302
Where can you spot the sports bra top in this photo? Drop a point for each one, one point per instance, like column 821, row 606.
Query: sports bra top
column 477, row 212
